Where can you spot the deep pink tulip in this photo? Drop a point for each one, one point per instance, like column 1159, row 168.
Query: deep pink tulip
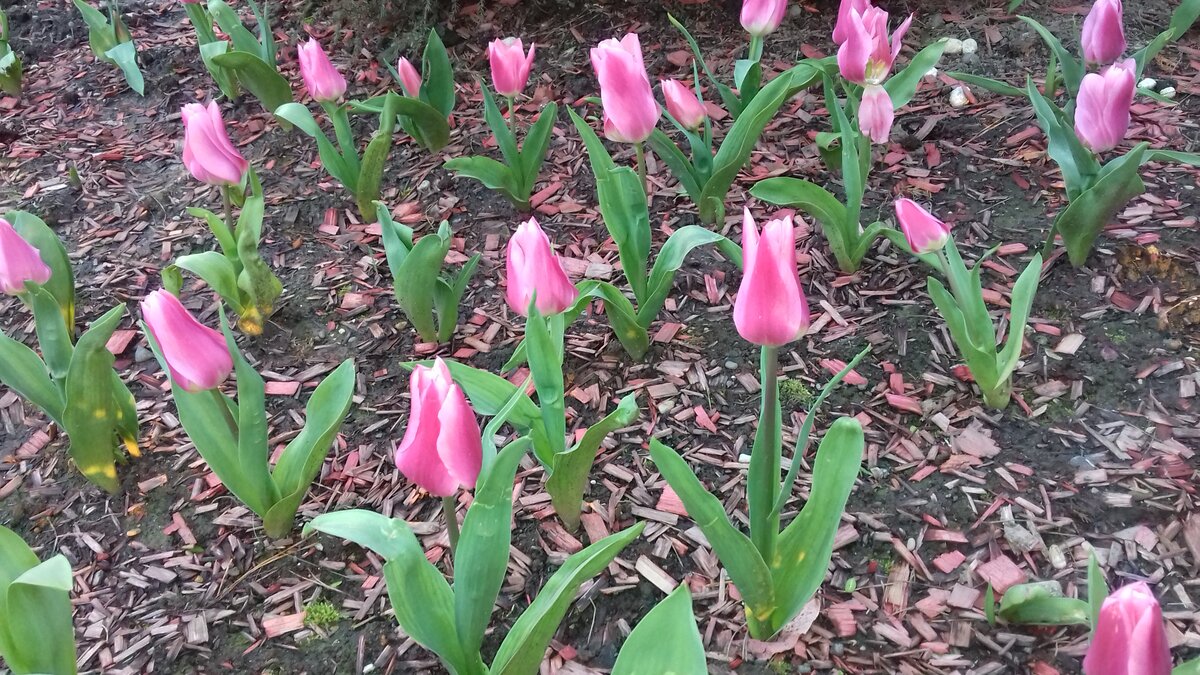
column 1102, row 106
column 1130, row 637
column 19, row 261
column 323, row 81
column 196, row 355
column 866, row 57
column 532, row 268
column 207, row 151
column 683, row 104
column 841, row 29
column 1103, row 36
column 441, row 450
column 625, row 91
column 924, row 232
column 510, row 65
column 875, row 113
column 770, row 308
column 410, row 79
column 760, row 17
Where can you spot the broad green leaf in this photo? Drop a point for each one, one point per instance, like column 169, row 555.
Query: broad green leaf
column 331, row 159
column 1022, row 301
column 1189, row 158
column 265, row 37
column 987, row 83
column 52, row 252
column 231, row 24
column 902, row 86
column 253, row 449
column 42, row 640
column 980, row 359
column 679, row 163
column 449, row 295
column 1181, row 20
column 569, row 473
column 415, row 282
column 1089, row 213
column 25, row 373
column 670, row 258
column 522, row 650
column 1187, row 668
column 989, row 605
column 665, row 642
column 256, row 279
column 621, row 316
column 90, row 411
column 219, row 229
column 437, row 76
column 545, row 337
column 1041, row 603
column 432, row 129
column 493, row 175
column 11, row 70
column 388, row 537
column 260, row 78
column 804, row 195
column 1078, row 165
column 124, row 55
column 53, row 337
column 225, row 78
column 101, row 35
column 533, row 150
column 370, row 172
column 218, row 272
column 1072, row 69
column 500, row 129
column 1097, row 591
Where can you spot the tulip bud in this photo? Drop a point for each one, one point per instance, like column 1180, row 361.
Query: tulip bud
column 1130, row 637
column 19, row 262
column 841, row 29
column 207, row 151
column 1103, row 35
column 510, row 65
column 683, row 104
column 196, row 356
column 924, row 232
column 770, row 308
column 625, row 91
column 866, row 56
column 533, row 267
column 441, row 450
column 760, row 17
column 410, row 79
column 1102, row 106
column 875, row 113
column 323, row 81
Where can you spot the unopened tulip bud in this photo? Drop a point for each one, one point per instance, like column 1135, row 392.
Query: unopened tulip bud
column 510, row 65
column 19, row 261
column 410, row 79
column 683, row 104
column 323, row 81
column 1130, row 637
column 207, row 151
column 625, row 91
column 760, row 17
column 770, row 308
column 1102, row 106
column 924, row 232
column 875, row 114
column 197, row 356
column 441, row 450
column 1103, row 35
column 533, row 268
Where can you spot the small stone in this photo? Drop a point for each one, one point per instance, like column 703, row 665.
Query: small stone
column 931, row 73
column 1147, row 83
column 1174, row 344
column 958, row 98
column 953, row 46
column 141, row 354
column 1169, row 92
column 970, row 46
column 731, row 365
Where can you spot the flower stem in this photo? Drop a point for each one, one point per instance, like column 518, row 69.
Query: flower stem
column 227, row 200
column 765, row 460
column 512, row 106
column 756, row 48
column 449, row 509
column 640, row 148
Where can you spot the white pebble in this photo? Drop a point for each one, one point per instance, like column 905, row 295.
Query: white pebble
column 931, row 73
column 953, row 46
column 1169, row 92
column 970, row 46
column 958, row 98
column 1147, row 83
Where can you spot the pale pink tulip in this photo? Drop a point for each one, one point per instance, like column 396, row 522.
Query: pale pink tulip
column 760, row 17
column 510, row 65
column 1130, row 637
column 19, row 261
column 1102, row 106
column 924, row 232
column 323, row 81
column 197, row 356
column 770, row 308
column 410, row 79
column 625, row 91
column 875, row 113
column 866, row 57
column 441, row 450
column 841, row 29
column 533, row 268
column 1103, row 35
column 683, row 104
column 207, row 151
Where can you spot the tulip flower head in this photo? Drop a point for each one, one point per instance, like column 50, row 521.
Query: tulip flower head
column 533, row 268
column 1102, row 106
column 770, row 308
column 1130, row 637
column 875, row 113
column 207, row 151
column 683, row 104
column 410, row 79
column 197, row 356
column 510, row 65
column 625, row 92
column 866, row 57
column 441, row 450
column 19, row 262
column 323, row 81
column 760, row 17
column 924, row 232
column 841, row 29
column 1103, row 35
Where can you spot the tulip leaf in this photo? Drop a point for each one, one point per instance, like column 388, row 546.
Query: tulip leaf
column 1189, row 158
column 1041, row 603
column 1022, row 301
column 545, row 337
column 124, row 55
column 806, row 196
column 36, row 635
column 621, row 315
column 428, row 126
column 680, row 165
column 570, row 470
column 331, row 159
column 259, row 77
column 1077, row 163
column 1072, row 69
column 53, row 338
column 1187, row 668
column 987, row 83
column 437, row 76
column 980, row 359
column 256, row 280
column 522, row 650
column 253, row 452
column 415, row 280
column 493, row 174
column 1089, row 213
column 1097, row 591
column 90, row 412
column 533, row 150
column 231, row 24
column 670, row 258
column 489, row 393
column 102, row 35
column 732, row 103
column 505, row 139
column 449, row 295
column 665, row 642
column 23, row 371
column 52, row 252
column 902, row 86
column 225, row 78
column 387, row 537
column 370, row 173
column 218, row 272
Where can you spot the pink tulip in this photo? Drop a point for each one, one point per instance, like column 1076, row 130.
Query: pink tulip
column 866, row 57
column 533, row 268
column 441, row 449
column 1130, row 637
column 1103, row 36
column 19, row 261
column 841, row 29
column 197, row 356
column 1102, row 106
column 625, row 88
column 207, row 151
column 510, row 65
column 410, row 79
column 683, row 104
column 924, row 232
column 323, row 81
column 760, row 17
column 770, row 308
column 875, row 113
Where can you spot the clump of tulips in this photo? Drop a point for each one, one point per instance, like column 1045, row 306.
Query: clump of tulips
column 111, row 41
column 242, row 60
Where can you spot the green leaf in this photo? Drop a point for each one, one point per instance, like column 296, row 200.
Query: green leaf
column 331, row 158
column 1189, row 158
column 987, row 83
column 1097, row 591
column 90, row 411
column 225, row 78
column 260, row 78
column 732, row 103
column 1041, row 603
column 52, row 252
column 428, row 126
column 980, row 359
column 449, row 296
column 124, row 55
column 265, row 37
column 1072, row 69
column 489, row 393
column 387, row 537
column 1022, row 301
column 101, row 35
column 1077, row 163
column 621, row 316
column 569, row 474
column 24, row 372
column 522, row 650
column 256, row 279
column 533, row 150
column 370, row 173
column 437, row 76
column 415, row 280
column 1181, row 20
column 989, row 605
column 902, row 86
column 504, row 135
column 493, row 175
column 42, row 640
column 545, row 337
column 665, row 642
column 301, row 460
column 253, row 450
column 680, row 165
column 1187, row 668
column 53, row 337
column 11, row 70
column 804, row 195
column 231, row 24
column 1091, row 211
column 218, row 272
column 670, row 258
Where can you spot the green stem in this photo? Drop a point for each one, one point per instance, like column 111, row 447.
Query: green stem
column 450, row 510
column 227, row 201
column 640, row 149
column 223, row 404
column 998, row 396
column 341, row 129
column 765, row 461
column 512, row 103
column 756, row 48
